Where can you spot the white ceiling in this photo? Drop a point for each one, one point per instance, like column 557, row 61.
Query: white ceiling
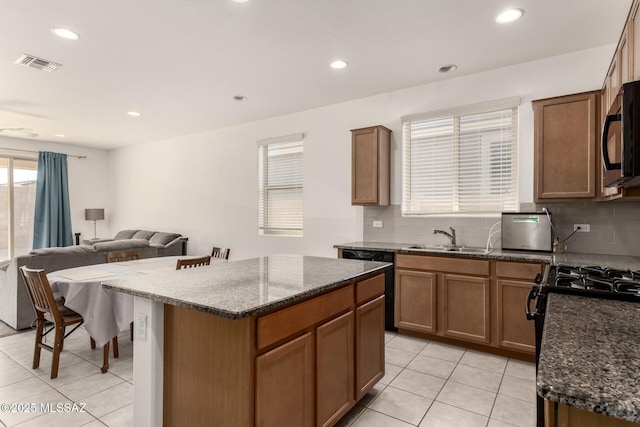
column 180, row 62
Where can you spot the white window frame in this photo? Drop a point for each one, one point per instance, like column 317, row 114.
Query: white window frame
column 418, row 201
column 286, row 222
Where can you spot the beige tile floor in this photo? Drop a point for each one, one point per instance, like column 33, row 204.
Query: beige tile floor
column 426, row 384
column 101, row 399
column 430, row 384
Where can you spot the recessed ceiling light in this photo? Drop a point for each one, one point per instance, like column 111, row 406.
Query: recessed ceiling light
column 339, row 64
column 134, row 113
column 509, row 15
column 65, row 34
column 240, row 1
column 240, row 98
column 448, row 68
column 61, row 135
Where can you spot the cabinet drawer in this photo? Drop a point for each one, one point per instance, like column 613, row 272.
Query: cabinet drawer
column 283, row 323
column 476, row 267
column 518, row 270
column 369, row 288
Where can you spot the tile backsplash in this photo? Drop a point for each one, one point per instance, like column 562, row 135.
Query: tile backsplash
column 615, row 227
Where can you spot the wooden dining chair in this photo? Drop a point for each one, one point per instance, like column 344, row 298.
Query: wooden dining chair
column 122, row 256
column 220, row 253
column 48, row 310
column 193, row 262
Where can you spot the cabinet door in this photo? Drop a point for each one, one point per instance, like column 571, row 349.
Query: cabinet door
column 370, row 166
column 514, row 330
column 565, row 137
column 569, row 416
column 415, row 305
column 369, row 345
column 284, row 384
column 466, row 307
column 334, row 358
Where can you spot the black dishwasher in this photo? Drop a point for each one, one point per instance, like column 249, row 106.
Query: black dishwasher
column 389, row 286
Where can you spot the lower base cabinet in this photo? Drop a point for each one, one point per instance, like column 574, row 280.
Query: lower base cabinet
column 313, row 375
column 559, row 415
column 466, row 308
column 415, row 301
column 369, row 345
column 467, row 300
column 286, row 372
column 514, row 330
column 335, row 377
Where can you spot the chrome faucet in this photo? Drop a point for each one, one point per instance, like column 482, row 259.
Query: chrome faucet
column 451, row 236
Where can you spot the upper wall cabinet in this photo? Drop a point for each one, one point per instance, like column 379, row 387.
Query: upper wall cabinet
column 370, row 163
column 566, row 131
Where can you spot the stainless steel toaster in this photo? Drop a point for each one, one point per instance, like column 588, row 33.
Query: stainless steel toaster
column 527, row 231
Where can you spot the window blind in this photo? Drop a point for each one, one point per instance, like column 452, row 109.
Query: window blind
column 280, row 185
column 461, row 162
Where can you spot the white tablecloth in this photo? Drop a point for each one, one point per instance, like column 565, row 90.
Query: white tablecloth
column 105, row 312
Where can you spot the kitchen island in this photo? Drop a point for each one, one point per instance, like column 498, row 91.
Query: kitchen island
column 590, row 361
column 276, row 340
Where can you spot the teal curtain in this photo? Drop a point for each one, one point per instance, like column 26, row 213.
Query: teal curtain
column 52, row 221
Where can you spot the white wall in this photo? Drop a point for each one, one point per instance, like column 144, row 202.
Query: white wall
column 205, row 185
column 88, row 181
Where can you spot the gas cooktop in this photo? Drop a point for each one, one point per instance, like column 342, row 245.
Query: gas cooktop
column 594, row 281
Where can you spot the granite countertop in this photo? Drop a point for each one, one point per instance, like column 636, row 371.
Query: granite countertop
column 244, row 288
column 590, row 355
column 613, row 261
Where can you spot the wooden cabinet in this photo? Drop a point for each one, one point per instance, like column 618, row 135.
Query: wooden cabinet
column 369, row 345
column 335, row 376
column 284, row 384
column 443, row 295
column 513, row 283
column 560, row 415
column 566, row 133
column 463, row 300
column 415, row 302
column 466, row 307
column 370, row 166
column 316, row 359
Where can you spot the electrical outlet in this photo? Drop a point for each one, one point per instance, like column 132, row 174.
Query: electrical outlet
column 583, row 228
column 141, row 326
column 377, row 224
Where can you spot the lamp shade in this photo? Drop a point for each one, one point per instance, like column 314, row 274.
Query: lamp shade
column 93, row 214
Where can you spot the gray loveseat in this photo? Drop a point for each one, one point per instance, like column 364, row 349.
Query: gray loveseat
column 15, row 307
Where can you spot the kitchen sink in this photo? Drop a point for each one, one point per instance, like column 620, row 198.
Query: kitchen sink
column 442, row 248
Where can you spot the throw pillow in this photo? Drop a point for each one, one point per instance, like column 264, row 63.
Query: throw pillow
column 125, row 234
column 143, row 234
column 161, row 238
column 120, row 245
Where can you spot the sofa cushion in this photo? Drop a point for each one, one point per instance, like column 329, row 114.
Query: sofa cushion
column 143, row 234
column 161, row 238
column 66, row 250
column 121, row 245
column 125, row 234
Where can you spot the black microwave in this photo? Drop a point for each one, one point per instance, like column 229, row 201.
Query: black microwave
column 621, row 137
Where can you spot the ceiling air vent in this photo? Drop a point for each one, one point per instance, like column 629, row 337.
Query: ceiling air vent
column 37, row 63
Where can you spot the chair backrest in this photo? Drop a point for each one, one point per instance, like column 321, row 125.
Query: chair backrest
column 193, row 262
column 221, row 253
column 122, row 256
column 40, row 293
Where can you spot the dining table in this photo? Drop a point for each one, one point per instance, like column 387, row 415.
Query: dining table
column 106, row 312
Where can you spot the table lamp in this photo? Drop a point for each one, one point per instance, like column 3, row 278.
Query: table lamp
column 94, row 215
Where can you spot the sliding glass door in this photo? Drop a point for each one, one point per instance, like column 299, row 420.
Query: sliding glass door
column 17, row 202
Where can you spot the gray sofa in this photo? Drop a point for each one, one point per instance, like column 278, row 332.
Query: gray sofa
column 15, row 307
